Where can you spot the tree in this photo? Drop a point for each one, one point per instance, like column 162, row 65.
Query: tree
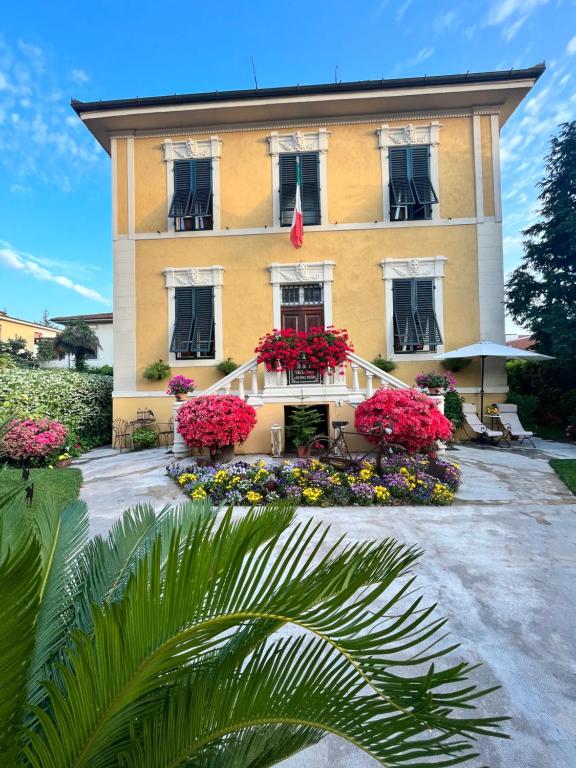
column 78, row 339
column 158, row 645
column 541, row 292
column 16, row 350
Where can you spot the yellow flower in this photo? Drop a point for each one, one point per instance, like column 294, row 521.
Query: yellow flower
column 312, row 495
column 187, row 477
column 381, row 493
column 198, row 494
column 221, row 476
column 404, row 471
column 365, row 474
column 235, row 480
column 335, row 480
column 253, row 497
column 261, row 474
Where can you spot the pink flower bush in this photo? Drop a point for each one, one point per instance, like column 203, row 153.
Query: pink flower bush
column 34, row 439
column 213, row 421
column 414, row 419
column 180, row 385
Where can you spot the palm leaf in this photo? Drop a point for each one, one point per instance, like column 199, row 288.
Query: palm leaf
column 20, row 576
column 61, row 536
column 179, row 612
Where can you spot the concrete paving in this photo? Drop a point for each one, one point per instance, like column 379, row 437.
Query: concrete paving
column 501, row 563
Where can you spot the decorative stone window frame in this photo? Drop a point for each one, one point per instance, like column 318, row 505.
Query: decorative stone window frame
column 298, row 274
column 192, row 149
column 285, row 143
column 405, row 136
column 396, row 269
column 190, row 277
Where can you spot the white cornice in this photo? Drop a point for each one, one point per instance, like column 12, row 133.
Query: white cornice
column 192, row 148
column 192, row 276
column 304, row 272
column 316, row 141
column 403, row 135
column 427, row 266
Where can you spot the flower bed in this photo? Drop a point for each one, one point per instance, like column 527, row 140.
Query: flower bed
column 406, row 480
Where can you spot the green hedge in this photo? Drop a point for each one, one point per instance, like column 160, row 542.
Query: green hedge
column 81, row 401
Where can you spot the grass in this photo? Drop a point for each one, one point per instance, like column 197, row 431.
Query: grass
column 62, row 485
column 566, row 471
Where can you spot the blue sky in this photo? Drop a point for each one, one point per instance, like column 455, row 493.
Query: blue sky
column 55, row 244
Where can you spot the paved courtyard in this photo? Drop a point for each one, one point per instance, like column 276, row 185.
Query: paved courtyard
column 501, row 562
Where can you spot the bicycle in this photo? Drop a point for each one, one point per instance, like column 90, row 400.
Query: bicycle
column 337, row 453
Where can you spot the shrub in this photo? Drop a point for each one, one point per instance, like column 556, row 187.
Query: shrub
column 34, row 439
column 568, row 407
column 453, row 408
column 101, row 370
column 80, row 401
column 435, row 380
column 144, row 437
column 404, row 480
column 214, row 421
column 527, row 406
column 385, row 365
column 157, row 371
column 227, row 366
column 413, row 418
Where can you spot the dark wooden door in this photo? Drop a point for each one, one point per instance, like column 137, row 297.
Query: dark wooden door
column 302, row 318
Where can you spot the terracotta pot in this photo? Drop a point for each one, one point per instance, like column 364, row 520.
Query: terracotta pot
column 181, row 396
column 435, row 390
column 301, row 451
column 63, row 463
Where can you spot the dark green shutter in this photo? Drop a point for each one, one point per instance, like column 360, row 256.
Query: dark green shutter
column 415, row 323
column 183, row 187
column 423, row 189
column 310, row 189
column 193, row 334
column 426, row 317
column 402, row 194
column 405, row 330
column 200, row 205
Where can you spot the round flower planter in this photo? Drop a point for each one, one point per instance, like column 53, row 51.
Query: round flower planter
column 223, row 455
column 63, row 463
column 181, row 397
column 435, row 390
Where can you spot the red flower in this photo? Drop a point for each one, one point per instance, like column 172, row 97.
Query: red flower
column 213, row 421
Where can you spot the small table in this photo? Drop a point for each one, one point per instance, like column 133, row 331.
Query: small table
column 493, row 417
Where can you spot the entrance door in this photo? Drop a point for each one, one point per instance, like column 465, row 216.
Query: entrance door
column 302, row 306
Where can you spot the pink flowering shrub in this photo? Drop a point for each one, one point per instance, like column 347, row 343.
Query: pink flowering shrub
column 33, row 439
column 213, row 421
column 414, row 419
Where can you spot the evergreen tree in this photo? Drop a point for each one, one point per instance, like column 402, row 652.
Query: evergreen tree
column 77, row 339
column 541, row 292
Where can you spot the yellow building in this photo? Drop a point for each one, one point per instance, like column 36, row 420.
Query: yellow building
column 13, row 327
column 402, row 236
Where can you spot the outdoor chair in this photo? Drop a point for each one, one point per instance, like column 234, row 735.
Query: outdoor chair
column 121, row 434
column 166, row 432
column 480, row 431
column 511, row 422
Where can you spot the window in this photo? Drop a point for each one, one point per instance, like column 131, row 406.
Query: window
column 193, row 334
column 302, row 294
column 191, row 206
column 411, row 192
column 310, row 187
column 415, row 325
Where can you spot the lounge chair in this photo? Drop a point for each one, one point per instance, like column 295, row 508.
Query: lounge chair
column 509, row 419
column 480, row 430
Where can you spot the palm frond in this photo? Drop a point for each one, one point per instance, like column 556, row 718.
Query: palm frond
column 20, row 576
column 61, row 534
column 183, row 605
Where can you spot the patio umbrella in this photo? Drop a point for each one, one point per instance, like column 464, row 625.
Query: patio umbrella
column 484, row 349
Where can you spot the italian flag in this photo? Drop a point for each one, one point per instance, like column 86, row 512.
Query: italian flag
column 297, row 229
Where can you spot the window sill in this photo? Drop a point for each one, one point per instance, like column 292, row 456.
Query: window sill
column 414, row 357
column 194, row 363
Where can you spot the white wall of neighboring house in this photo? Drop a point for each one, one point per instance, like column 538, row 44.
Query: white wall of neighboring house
column 104, row 354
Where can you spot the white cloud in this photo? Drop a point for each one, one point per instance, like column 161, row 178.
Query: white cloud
column 32, row 266
column 422, row 55
column 511, row 15
column 446, row 21
column 402, row 9
column 571, row 47
column 79, row 76
column 20, row 189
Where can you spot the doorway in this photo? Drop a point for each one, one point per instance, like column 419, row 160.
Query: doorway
column 322, row 428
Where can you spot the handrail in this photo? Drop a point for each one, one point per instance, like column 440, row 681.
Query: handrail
column 236, row 373
column 371, row 368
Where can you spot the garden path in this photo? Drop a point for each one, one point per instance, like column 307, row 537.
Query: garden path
column 501, row 562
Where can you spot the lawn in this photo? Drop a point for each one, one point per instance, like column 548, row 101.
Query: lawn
column 62, row 485
column 566, row 470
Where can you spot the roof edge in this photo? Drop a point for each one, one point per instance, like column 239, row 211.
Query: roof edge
column 470, row 78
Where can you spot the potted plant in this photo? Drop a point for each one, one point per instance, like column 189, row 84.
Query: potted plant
column 157, row 371
column 455, row 364
column 385, row 365
column 304, row 421
column 216, row 422
column 226, row 366
column 179, row 386
column 144, row 437
column 323, row 348
column 435, row 382
column 63, row 460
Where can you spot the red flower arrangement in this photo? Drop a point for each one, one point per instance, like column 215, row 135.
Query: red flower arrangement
column 414, row 419
column 323, row 348
column 214, row 421
column 34, row 439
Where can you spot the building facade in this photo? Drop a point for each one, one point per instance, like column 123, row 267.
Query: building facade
column 402, row 232
column 13, row 327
